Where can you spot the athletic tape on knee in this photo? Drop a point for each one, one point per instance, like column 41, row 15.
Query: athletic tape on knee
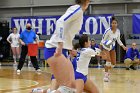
column 64, row 89
column 108, row 64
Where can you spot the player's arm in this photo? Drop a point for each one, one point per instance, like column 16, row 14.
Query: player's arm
column 8, row 39
column 58, row 50
column 120, row 42
column 105, row 36
column 35, row 38
column 90, row 52
column 70, row 15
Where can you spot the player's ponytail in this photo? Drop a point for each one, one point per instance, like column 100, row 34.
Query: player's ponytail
column 80, row 2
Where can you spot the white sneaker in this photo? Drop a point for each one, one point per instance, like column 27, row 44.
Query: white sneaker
column 18, row 71
column 106, row 77
column 38, row 70
column 37, row 90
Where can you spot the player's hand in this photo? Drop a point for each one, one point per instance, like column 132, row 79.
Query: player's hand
column 35, row 42
column 58, row 52
column 125, row 48
column 22, row 43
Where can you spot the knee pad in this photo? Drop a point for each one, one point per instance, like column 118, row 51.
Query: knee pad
column 64, row 89
column 108, row 64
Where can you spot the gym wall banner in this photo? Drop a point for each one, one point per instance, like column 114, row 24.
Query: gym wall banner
column 46, row 25
column 136, row 24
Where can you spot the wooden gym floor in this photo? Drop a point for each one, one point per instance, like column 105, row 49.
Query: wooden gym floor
column 122, row 81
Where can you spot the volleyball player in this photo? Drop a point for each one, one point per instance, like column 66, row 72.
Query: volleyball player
column 109, row 38
column 13, row 39
column 83, row 59
column 67, row 26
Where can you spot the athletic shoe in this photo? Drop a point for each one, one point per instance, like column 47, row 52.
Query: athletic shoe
column 106, row 77
column 37, row 90
column 127, row 68
column 38, row 70
column 132, row 67
column 18, row 71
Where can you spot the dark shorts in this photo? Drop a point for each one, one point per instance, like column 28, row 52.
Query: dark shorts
column 49, row 52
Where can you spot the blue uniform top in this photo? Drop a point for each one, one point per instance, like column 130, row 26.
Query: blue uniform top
column 28, row 36
column 74, row 63
column 132, row 54
column 95, row 46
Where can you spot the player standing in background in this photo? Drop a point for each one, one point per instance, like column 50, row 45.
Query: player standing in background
column 13, row 39
column 109, row 38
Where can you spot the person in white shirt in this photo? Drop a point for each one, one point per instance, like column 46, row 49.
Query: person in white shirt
column 13, row 39
column 55, row 52
column 109, row 38
column 83, row 59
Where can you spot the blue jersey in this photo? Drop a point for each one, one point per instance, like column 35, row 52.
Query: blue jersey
column 74, row 63
column 132, row 54
column 28, row 36
column 95, row 46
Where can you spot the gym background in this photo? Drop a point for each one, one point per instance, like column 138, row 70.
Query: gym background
column 122, row 9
